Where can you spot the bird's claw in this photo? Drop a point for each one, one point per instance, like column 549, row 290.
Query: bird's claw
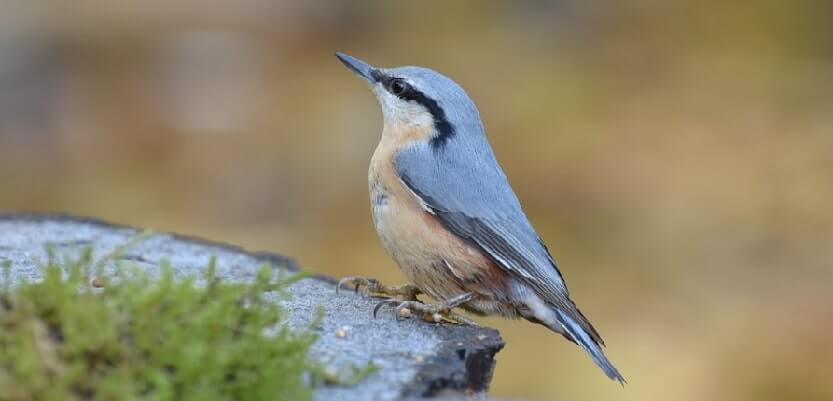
column 371, row 287
column 357, row 283
column 436, row 313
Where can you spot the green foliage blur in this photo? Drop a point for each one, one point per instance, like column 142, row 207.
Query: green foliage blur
column 143, row 338
column 674, row 155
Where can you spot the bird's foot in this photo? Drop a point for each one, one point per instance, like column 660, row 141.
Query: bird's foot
column 441, row 312
column 371, row 287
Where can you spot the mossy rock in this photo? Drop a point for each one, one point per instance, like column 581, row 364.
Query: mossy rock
column 77, row 336
column 323, row 345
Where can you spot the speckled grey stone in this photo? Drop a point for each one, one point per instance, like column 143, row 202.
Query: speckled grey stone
column 416, row 359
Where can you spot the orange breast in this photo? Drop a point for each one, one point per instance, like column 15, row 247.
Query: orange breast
column 434, row 259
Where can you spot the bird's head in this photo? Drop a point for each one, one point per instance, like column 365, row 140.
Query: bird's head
column 419, row 98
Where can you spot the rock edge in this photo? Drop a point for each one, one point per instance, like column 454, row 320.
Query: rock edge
column 462, row 361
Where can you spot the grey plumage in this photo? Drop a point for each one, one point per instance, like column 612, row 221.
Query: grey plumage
column 460, row 181
column 466, row 188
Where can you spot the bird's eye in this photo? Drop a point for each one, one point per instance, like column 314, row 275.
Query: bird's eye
column 399, row 87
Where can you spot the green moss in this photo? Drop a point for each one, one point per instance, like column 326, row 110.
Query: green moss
column 147, row 338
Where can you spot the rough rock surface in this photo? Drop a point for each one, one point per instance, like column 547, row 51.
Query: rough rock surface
column 416, row 359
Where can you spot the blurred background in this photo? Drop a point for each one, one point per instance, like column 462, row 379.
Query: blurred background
column 677, row 156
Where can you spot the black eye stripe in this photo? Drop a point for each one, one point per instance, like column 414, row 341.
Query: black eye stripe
column 390, row 82
column 444, row 129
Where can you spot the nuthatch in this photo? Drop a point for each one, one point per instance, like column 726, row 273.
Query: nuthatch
column 445, row 212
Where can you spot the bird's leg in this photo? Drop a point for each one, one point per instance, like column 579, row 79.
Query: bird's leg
column 436, row 313
column 372, row 287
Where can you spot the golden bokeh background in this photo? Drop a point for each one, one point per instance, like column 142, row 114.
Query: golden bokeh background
column 676, row 156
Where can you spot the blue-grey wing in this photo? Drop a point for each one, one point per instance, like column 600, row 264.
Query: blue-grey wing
column 462, row 184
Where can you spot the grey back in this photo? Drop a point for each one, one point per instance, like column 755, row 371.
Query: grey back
column 463, row 184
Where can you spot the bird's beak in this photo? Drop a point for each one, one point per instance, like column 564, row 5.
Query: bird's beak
column 361, row 68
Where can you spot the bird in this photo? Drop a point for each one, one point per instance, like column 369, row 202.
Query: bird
column 446, row 214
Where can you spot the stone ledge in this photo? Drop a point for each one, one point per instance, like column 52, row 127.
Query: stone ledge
column 416, row 359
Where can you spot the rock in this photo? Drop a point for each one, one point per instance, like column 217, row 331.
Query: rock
column 416, row 359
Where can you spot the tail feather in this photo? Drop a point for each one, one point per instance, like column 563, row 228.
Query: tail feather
column 588, row 327
column 593, row 348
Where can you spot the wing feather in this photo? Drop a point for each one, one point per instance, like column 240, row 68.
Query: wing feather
column 475, row 202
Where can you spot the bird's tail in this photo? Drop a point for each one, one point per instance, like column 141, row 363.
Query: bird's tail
column 593, row 348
